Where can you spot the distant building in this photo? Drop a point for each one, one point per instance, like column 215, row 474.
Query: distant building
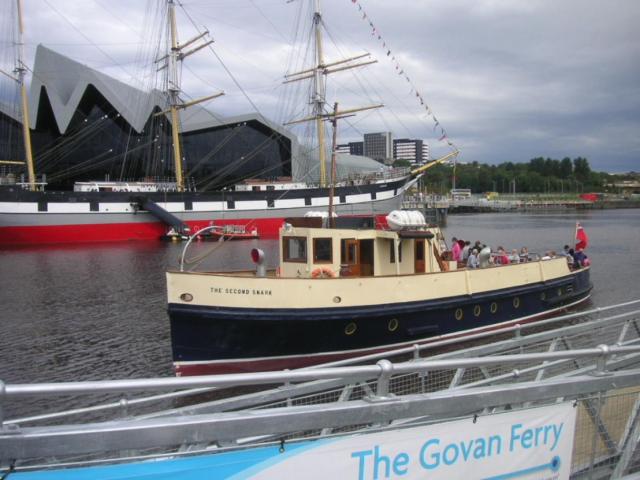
column 351, row 148
column 414, row 151
column 379, row 146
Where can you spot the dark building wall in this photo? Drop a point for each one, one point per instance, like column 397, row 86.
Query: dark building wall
column 100, row 144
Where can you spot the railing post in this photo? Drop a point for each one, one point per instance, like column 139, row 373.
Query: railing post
column 601, row 362
column 386, row 370
column 416, row 352
column 382, row 387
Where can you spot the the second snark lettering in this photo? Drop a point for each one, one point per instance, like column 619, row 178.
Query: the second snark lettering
column 240, row 291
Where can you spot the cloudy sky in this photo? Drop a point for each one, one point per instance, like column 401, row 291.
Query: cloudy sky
column 508, row 80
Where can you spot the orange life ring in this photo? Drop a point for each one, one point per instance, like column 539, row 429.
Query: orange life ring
column 323, row 272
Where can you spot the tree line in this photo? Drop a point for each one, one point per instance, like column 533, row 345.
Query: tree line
column 539, row 175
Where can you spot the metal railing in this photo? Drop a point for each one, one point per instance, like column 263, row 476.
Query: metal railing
column 592, row 358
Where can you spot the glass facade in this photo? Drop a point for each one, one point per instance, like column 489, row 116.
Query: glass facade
column 100, row 145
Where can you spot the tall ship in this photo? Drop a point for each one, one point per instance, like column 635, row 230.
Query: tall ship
column 188, row 196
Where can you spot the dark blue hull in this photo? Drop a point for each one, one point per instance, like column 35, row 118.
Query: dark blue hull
column 216, row 340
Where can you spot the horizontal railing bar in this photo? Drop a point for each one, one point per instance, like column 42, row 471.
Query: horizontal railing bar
column 112, row 405
column 347, row 373
column 130, row 435
column 481, row 335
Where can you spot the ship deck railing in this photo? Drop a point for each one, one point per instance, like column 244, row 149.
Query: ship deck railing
column 591, row 358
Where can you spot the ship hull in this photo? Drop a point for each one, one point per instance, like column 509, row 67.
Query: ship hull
column 31, row 218
column 211, row 340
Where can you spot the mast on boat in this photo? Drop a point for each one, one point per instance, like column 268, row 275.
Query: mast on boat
column 318, row 73
column 21, row 71
column 171, row 59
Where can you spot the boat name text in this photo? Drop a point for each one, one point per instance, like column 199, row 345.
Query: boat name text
column 240, row 291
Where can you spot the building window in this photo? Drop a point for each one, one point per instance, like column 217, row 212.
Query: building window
column 322, row 250
column 294, row 249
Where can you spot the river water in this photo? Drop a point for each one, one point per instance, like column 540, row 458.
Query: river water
column 99, row 311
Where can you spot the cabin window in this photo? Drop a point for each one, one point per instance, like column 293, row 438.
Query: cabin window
column 255, row 189
column 392, row 252
column 271, row 187
column 322, row 250
column 294, row 249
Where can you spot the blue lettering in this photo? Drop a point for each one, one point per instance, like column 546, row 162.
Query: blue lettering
column 361, row 459
column 400, row 464
column 452, row 447
column 466, row 448
column 557, row 433
column 514, row 436
column 527, row 437
column 377, row 459
column 435, row 456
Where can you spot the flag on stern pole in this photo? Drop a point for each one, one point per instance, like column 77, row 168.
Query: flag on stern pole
column 581, row 238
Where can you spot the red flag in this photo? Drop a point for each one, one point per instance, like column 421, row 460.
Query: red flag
column 581, row 238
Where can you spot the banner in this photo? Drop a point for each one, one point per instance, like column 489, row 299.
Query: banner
column 535, row 443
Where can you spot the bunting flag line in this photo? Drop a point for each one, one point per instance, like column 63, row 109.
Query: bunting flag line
column 375, row 32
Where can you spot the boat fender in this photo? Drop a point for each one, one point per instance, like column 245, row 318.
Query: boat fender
column 323, row 272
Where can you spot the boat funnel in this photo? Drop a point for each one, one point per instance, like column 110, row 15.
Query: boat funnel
column 257, row 255
column 484, row 256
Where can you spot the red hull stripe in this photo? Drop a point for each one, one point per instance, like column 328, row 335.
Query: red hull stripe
column 118, row 232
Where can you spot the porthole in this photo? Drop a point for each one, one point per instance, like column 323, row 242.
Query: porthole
column 337, row 299
column 350, row 329
column 476, row 311
column 393, row 324
column 186, row 297
column 459, row 314
column 494, row 307
column 516, row 302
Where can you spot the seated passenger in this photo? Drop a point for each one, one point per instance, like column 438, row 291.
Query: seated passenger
column 524, row 254
column 472, row 261
column 580, row 258
column 501, row 257
column 514, row 257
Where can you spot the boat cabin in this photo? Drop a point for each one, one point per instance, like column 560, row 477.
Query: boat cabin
column 310, row 251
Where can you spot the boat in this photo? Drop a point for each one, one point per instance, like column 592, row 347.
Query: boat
column 343, row 288
column 216, row 232
column 114, row 211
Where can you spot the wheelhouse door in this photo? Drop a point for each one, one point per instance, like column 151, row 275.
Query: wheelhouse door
column 419, row 256
column 350, row 258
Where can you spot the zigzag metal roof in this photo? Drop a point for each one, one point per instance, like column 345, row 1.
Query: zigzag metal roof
column 65, row 82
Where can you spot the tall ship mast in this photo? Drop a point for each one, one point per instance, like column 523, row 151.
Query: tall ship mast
column 20, row 70
column 318, row 75
column 149, row 207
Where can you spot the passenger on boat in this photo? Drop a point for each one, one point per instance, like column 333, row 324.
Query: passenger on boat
column 549, row 255
column 466, row 250
column 456, row 251
column 580, row 259
column 472, row 261
column 514, row 257
column 501, row 257
column 524, row 254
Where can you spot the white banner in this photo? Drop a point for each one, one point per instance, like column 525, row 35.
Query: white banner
column 535, row 443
